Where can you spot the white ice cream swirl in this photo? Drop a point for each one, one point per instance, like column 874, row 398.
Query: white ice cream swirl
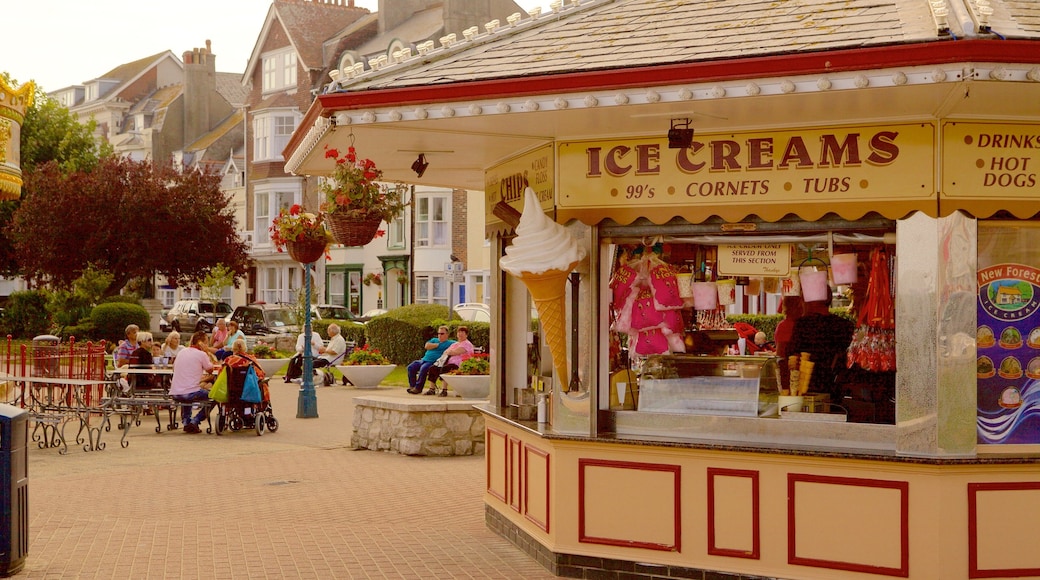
column 540, row 244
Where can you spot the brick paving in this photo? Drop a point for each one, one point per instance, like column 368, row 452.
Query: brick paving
column 298, row 503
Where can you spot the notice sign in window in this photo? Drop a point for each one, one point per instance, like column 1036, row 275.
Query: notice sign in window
column 755, row 260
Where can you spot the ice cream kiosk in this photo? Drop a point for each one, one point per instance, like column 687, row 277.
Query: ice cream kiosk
column 636, row 210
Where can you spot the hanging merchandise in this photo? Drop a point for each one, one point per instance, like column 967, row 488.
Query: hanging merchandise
column 664, row 284
column 727, row 290
column 705, row 296
column 843, row 268
column 873, row 345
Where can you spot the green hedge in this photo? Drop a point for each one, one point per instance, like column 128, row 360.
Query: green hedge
column 767, row 322
column 401, row 333
column 479, row 332
column 111, row 319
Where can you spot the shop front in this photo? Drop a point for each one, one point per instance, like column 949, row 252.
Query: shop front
column 634, row 426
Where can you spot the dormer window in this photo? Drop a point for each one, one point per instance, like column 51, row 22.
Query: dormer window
column 279, row 70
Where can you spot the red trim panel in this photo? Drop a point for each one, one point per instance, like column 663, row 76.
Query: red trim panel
column 528, row 452
column 903, row 571
column 756, row 517
column 675, row 470
column 974, row 489
column 489, row 437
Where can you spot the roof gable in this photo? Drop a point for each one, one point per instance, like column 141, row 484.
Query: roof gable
column 308, row 24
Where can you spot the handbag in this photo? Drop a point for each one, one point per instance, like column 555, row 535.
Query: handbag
column 251, row 387
column 441, row 361
column 218, row 392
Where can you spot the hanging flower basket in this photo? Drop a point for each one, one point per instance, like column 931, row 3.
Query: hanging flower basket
column 353, row 231
column 355, row 203
column 306, row 250
column 300, row 233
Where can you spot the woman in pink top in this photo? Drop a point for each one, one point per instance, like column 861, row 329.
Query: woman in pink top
column 220, row 335
column 191, row 380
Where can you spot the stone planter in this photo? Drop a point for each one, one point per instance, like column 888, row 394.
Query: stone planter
column 469, row 386
column 272, row 365
column 366, row 376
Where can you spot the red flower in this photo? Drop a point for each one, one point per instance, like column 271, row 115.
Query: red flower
column 295, row 209
column 380, row 233
column 330, row 153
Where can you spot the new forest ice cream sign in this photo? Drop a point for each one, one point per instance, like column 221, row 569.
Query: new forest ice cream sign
column 778, row 172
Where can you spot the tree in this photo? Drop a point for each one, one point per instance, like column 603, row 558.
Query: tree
column 130, row 218
column 49, row 133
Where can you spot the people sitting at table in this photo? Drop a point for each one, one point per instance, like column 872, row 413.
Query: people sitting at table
column 233, row 334
column 128, row 346
column 458, row 352
column 142, row 358
column 192, row 378
column 419, row 369
column 172, row 347
column 295, row 370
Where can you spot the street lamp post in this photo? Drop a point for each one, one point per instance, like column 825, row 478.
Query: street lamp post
column 307, row 402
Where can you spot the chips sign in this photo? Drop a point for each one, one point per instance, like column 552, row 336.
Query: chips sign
column 755, row 260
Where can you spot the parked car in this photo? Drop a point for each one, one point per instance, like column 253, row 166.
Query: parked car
column 265, row 319
column 369, row 315
column 193, row 315
column 473, row 311
column 333, row 311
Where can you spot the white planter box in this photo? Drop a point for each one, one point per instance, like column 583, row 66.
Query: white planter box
column 272, row 365
column 469, row 386
column 366, row 376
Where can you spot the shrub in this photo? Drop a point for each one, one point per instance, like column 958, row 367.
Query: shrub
column 83, row 331
column 26, row 314
column 401, row 333
column 111, row 319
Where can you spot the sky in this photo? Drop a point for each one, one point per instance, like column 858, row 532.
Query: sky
column 59, row 43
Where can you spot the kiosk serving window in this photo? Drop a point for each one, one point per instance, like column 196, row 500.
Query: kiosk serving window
column 797, row 325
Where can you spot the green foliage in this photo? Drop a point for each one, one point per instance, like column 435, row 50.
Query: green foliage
column 68, row 307
column 217, row 278
column 111, row 319
column 51, row 133
column 26, row 314
column 83, row 330
column 401, row 333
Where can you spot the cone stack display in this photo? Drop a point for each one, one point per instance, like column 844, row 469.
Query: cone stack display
column 549, row 291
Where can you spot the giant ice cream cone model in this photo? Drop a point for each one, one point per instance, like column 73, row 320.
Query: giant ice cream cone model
column 549, row 292
column 542, row 256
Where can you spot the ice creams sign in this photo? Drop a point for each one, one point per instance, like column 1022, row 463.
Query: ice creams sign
column 755, row 259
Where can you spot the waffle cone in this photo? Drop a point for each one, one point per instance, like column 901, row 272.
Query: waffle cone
column 549, row 291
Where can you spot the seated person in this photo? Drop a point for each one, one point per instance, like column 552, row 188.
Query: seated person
column 192, row 378
column 418, row 369
column 172, row 347
column 458, row 352
column 295, row 370
column 333, row 353
column 127, row 347
column 144, row 357
column 220, row 334
column 233, row 334
column 239, row 357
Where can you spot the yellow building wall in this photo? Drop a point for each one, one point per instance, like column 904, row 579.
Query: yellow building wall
column 804, row 515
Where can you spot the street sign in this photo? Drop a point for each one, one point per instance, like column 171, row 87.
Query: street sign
column 453, row 272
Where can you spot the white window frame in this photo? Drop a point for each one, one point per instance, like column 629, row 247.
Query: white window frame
column 278, row 70
column 272, row 130
column 429, row 231
column 431, row 289
column 268, row 198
